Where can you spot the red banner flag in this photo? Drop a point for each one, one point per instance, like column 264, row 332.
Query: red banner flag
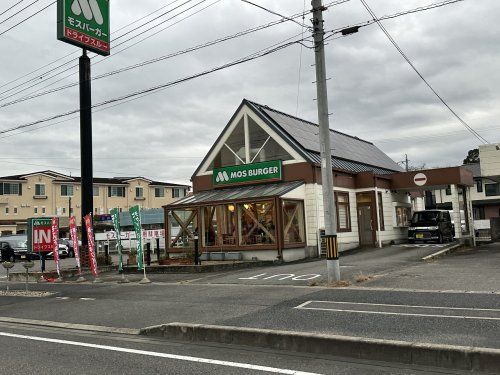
column 90, row 239
column 55, row 243
column 74, row 240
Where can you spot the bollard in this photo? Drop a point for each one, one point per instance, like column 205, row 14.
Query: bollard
column 27, row 266
column 8, row 266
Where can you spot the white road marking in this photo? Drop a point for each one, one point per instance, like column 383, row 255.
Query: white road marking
column 87, row 299
column 62, row 297
column 160, row 355
column 303, row 306
column 283, row 276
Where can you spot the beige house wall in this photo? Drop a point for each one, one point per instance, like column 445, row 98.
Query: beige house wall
column 54, row 204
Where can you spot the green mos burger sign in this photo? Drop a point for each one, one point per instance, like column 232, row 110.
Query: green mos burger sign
column 267, row 170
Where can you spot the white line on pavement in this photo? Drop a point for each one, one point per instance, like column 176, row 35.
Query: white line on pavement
column 303, row 306
column 87, row 299
column 161, row 355
column 62, row 297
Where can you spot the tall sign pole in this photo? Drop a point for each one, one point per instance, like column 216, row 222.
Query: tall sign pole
column 85, row 24
column 86, row 142
column 332, row 258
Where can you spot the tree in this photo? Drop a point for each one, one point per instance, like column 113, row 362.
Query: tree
column 472, row 156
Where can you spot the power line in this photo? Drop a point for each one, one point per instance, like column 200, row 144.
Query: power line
column 27, row 18
column 104, row 59
column 19, row 11
column 471, row 130
column 74, row 52
column 12, row 6
column 155, row 60
column 138, row 94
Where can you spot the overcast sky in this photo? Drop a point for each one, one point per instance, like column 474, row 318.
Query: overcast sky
column 373, row 93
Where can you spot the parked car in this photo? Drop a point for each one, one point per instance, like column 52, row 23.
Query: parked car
column 63, row 252
column 69, row 246
column 18, row 242
column 431, row 225
column 6, row 252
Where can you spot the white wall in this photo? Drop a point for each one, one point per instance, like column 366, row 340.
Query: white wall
column 490, row 159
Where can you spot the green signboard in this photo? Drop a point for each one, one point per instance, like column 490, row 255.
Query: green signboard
column 39, row 235
column 264, row 171
column 84, row 23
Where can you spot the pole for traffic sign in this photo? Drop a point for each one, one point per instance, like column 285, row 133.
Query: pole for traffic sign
column 85, row 141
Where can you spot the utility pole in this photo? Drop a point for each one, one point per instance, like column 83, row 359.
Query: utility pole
column 406, row 162
column 332, row 258
column 85, row 142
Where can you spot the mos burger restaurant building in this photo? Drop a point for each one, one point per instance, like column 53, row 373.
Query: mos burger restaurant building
column 258, row 191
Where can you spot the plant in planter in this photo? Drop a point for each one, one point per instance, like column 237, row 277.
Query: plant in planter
column 102, row 260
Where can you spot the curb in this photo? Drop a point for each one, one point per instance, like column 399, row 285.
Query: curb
column 79, row 327
column 423, row 354
column 442, row 253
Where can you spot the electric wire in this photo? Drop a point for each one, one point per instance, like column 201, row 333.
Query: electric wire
column 74, row 52
column 394, row 43
column 27, row 18
column 19, row 11
column 154, row 60
column 104, row 59
column 11, row 7
column 141, row 93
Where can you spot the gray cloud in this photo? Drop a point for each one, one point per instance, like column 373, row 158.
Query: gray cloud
column 373, row 93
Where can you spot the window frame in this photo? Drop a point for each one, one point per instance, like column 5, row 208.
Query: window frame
column 41, row 192
column 348, row 212
column 159, row 192
column 139, row 189
column 68, row 189
column 495, row 193
column 380, row 215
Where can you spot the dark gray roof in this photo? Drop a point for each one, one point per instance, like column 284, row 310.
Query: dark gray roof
column 343, row 146
column 474, row 168
column 242, row 192
column 351, row 166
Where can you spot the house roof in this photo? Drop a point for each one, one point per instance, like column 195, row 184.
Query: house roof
column 62, row 178
column 237, row 193
column 344, row 147
column 349, row 153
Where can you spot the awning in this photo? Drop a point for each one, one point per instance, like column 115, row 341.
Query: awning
column 238, row 193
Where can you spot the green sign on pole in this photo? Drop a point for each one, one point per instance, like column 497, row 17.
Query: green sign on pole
column 115, row 217
column 84, row 23
column 135, row 214
column 267, row 170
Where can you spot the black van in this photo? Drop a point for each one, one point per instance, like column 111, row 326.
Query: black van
column 431, row 225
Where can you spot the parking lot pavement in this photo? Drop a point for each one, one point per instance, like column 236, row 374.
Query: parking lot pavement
column 465, row 270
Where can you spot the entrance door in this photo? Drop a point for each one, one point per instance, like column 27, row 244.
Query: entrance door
column 365, row 225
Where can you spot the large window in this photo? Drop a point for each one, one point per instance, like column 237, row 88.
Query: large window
column 95, row 190
column 293, row 222
column 40, row 189
column 7, row 188
column 343, row 212
column 66, row 190
column 116, row 191
column 176, row 192
column 257, row 223
column 219, row 225
column 261, row 146
column 492, row 189
column 159, row 192
column 182, row 225
column 139, row 192
column 402, row 216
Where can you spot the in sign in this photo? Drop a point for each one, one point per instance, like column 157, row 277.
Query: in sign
column 420, row 179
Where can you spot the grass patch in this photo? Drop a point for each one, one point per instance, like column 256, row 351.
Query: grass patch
column 360, row 277
column 340, row 284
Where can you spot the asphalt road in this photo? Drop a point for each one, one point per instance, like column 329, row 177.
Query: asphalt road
column 31, row 350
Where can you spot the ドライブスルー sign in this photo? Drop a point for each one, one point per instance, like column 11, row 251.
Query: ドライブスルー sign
column 40, row 235
column 84, row 23
column 267, row 170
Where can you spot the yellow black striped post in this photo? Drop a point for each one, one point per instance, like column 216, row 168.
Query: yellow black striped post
column 332, row 249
